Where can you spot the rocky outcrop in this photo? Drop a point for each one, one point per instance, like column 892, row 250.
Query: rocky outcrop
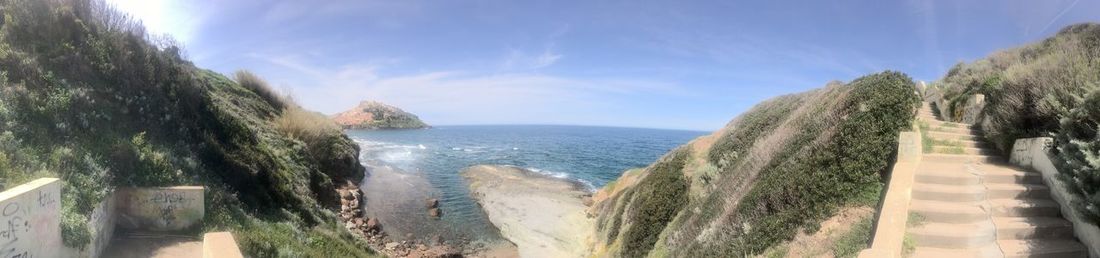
column 372, row 115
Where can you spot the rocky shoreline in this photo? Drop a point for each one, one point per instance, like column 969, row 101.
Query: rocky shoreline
column 542, row 215
column 366, row 220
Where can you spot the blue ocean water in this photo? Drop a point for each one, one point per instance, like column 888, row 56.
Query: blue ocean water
column 591, row 155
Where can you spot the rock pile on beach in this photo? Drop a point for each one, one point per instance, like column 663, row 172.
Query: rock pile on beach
column 351, row 213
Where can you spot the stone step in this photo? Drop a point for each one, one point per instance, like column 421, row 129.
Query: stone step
column 961, row 150
column 987, row 251
column 949, row 212
column 1009, row 228
column 965, row 144
column 1042, row 248
column 1017, row 191
column 958, row 130
column 951, row 235
column 952, row 136
column 947, row 177
column 956, row 158
column 939, row 123
column 1024, row 208
column 1008, row 176
column 941, row 192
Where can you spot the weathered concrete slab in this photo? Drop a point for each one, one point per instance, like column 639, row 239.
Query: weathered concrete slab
column 30, row 219
column 160, row 208
column 220, row 245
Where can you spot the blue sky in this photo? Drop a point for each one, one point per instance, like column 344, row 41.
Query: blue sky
column 660, row 64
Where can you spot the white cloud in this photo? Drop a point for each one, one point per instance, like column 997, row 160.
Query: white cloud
column 458, row 97
column 518, row 60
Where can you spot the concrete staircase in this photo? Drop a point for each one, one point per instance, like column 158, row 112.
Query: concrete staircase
column 975, row 205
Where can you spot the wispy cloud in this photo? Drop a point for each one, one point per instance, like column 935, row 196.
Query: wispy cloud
column 519, row 60
column 462, row 96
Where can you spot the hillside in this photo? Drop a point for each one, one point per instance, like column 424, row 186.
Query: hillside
column 376, row 115
column 1047, row 88
column 86, row 95
column 783, row 167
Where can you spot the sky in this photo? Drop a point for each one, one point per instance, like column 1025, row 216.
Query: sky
column 657, row 64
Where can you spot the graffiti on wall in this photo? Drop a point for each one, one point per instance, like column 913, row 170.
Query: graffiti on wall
column 29, row 220
column 169, row 208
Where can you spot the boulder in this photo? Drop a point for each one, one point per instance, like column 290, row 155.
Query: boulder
column 435, row 213
column 392, row 245
column 373, row 225
column 433, row 203
column 345, row 194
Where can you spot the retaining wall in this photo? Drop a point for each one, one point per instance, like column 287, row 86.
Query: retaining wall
column 160, row 208
column 1034, row 153
column 30, row 217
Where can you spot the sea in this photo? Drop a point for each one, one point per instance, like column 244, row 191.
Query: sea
column 406, row 166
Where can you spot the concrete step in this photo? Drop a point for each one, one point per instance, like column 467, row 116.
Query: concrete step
column 957, row 177
column 941, row 192
column 964, row 144
column 962, row 150
column 950, row 235
column 1010, row 228
column 952, row 136
column 1017, row 191
column 949, row 212
column 988, row 251
column 956, row 158
column 1042, row 248
column 1024, row 208
column 1008, row 176
column 958, row 130
column 939, row 123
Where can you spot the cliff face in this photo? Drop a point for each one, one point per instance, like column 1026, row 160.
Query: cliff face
column 787, row 164
column 376, row 115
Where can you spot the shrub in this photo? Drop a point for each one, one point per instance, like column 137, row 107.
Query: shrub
column 660, row 196
column 259, row 86
column 309, row 127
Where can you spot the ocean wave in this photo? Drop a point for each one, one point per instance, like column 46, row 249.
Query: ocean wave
column 562, row 175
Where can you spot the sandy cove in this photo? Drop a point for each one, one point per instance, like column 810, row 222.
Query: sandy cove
column 542, row 215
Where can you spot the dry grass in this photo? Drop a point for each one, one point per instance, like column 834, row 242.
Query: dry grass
column 259, row 86
column 307, row 126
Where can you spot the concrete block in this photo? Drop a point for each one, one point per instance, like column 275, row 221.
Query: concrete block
column 160, row 208
column 30, row 219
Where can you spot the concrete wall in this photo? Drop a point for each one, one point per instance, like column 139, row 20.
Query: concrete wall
column 160, row 208
column 30, row 220
column 893, row 214
column 102, row 225
column 1034, row 153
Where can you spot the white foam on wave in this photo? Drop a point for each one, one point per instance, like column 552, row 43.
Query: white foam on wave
column 562, row 175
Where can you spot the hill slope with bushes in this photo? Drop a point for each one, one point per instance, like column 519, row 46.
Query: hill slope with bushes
column 787, row 164
column 1048, row 88
column 86, row 95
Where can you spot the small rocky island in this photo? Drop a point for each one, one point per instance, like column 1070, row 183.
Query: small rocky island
column 542, row 215
column 374, row 115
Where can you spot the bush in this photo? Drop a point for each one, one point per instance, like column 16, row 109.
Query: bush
column 660, row 196
column 260, row 87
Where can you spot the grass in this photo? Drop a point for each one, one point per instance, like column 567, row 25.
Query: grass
column 786, row 164
column 908, row 244
column 87, row 96
column 850, row 243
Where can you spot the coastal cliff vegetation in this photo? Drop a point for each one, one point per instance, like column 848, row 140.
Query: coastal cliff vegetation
column 782, row 167
column 88, row 96
column 1050, row 88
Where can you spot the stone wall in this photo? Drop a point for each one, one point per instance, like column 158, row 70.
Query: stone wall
column 1034, row 153
column 160, row 208
column 30, row 220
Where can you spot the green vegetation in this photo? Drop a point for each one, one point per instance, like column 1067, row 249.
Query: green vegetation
column 786, row 164
column 86, row 95
column 1049, row 88
column 660, row 196
column 850, row 243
